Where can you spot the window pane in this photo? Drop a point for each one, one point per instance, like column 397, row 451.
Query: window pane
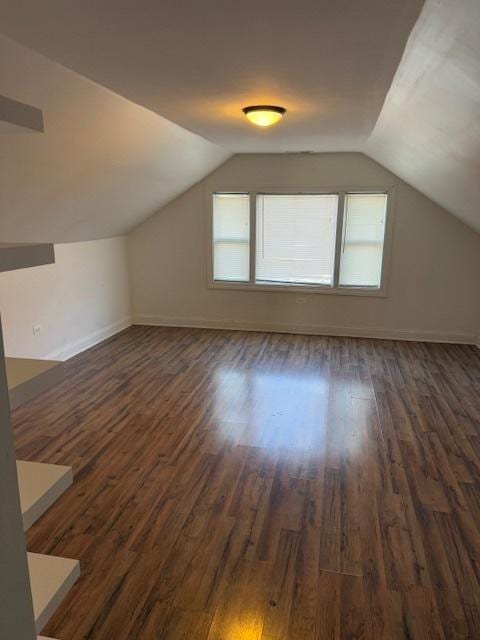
column 296, row 238
column 364, row 231
column 231, row 236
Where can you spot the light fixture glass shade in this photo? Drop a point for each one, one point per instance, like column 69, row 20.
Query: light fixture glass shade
column 264, row 115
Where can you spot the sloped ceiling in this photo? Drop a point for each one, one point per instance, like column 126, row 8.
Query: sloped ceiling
column 330, row 63
column 102, row 165
column 428, row 132
column 109, row 163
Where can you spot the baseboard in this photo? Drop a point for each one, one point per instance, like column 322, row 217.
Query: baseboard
column 354, row 332
column 90, row 340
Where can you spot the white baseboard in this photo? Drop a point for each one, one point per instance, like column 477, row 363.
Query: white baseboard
column 90, row 340
column 354, row 332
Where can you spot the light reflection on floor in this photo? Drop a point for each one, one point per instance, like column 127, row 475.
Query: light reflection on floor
column 249, row 628
column 284, row 411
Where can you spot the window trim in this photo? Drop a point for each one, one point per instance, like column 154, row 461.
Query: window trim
column 336, row 289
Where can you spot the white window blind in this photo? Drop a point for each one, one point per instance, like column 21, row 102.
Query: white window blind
column 296, row 238
column 231, row 236
column 363, row 236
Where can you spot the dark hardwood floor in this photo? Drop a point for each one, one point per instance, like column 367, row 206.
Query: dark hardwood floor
column 249, row 486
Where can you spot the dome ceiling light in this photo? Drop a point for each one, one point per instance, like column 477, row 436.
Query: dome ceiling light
column 264, row 115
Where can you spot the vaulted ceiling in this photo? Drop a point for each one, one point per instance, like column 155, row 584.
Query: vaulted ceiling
column 102, row 165
column 198, row 63
column 428, row 132
column 161, row 107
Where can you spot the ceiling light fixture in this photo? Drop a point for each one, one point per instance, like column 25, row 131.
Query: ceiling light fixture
column 264, row 115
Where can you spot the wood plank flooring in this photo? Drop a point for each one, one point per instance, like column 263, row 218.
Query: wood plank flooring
column 249, row 486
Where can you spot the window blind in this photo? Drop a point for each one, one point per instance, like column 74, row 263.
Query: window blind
column 231, row 237
column 363, row 237
column 296, row 238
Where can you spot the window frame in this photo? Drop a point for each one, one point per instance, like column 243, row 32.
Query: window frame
column 336, row 288
column 248, row 242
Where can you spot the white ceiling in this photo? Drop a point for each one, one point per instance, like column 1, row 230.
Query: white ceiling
column 428, row 132
column 105, row 163
column 330, row 62
column 102, row 165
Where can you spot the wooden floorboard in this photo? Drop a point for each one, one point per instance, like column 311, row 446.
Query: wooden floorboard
column 252, row 486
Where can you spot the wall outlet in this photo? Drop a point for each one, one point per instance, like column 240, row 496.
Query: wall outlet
column 301, row 300
column 36, row 330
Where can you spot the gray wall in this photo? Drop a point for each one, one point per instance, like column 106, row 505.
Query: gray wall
column 16, row 608
column 435, row 262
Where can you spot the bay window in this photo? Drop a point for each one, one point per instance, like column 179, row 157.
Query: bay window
column 325, row 242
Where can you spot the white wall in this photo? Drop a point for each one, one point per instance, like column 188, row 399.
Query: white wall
column 81, row 299
column 432, row 291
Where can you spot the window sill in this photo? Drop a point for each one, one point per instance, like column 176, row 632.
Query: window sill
column 298, row 288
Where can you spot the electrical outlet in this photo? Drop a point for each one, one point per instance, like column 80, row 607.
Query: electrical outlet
column 301, row 300
column 36, row 330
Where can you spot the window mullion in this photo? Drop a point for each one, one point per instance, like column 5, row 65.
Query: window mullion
column 253, row 234
column 339, row 238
